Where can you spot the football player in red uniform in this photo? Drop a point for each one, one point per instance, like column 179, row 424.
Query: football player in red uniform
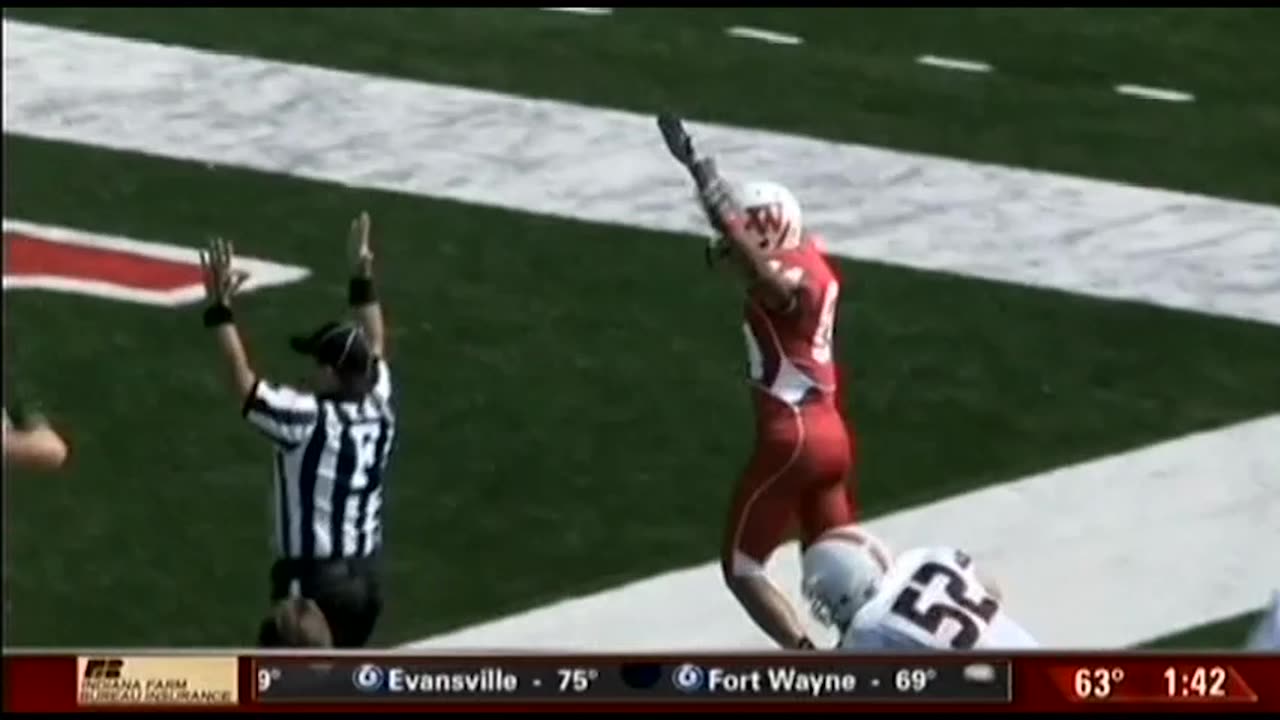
column 798, row 474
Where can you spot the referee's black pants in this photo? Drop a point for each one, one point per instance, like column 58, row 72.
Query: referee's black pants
column 346, row 590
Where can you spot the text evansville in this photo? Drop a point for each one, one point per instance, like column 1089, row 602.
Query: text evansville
column 482, row 681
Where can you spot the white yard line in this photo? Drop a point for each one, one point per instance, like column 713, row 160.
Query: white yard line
column 555, row 158
column 974, row 66
column 582, row 11
column 1108, row 553
column 769, row 36
column 1154, row 93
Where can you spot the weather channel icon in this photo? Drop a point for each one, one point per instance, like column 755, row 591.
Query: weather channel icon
column 980, row 673
column 689, row 678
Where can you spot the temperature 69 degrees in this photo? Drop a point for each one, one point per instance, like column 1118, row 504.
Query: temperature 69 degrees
column 577, row 680
column 914, row 680
column 1097, row 683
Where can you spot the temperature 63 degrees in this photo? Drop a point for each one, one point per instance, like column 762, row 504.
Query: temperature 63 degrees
column 1097, row 683
column 577, row 680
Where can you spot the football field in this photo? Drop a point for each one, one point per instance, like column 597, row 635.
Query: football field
column 1060, row 327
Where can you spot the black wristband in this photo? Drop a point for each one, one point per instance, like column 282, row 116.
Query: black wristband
column 217, row 314
column 360, row 291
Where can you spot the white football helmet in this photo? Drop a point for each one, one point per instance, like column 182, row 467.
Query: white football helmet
column 771, row 215
column 842, row 571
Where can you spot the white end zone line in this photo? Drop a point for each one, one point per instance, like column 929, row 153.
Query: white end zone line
column 541, row 156
column 1108, row 553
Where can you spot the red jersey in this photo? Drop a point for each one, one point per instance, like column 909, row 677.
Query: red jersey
column 789, row 351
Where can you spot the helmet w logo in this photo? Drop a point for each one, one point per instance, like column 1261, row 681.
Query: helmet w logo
column 768, row 222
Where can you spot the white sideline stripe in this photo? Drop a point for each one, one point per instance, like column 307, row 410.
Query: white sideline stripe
column 262, row 273
column 1108, row 553
column 954, row 63
column 769, row 36
column 1154, row 93
column 561, row 159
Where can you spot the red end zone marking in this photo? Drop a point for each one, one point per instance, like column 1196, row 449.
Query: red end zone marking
column 27, row 256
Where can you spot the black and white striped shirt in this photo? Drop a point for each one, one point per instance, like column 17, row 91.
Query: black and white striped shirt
column 330, row 466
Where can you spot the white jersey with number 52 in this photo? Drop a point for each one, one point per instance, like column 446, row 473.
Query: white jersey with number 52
column 932, row 599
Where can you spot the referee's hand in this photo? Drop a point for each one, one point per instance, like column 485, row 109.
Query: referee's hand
column 359, row 250
column 221, row 281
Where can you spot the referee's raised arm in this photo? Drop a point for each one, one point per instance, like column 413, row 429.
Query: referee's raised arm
column 221, row 282
column 360, row 293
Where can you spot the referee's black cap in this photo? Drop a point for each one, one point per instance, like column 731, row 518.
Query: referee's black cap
column 341, row 346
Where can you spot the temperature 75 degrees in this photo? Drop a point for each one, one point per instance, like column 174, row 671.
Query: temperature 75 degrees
column 1097, row 683
column 577, row 680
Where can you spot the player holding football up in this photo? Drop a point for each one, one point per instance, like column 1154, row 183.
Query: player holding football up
column 797, row 476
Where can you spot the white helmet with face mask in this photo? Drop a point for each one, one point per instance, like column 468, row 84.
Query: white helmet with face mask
column 842, row 572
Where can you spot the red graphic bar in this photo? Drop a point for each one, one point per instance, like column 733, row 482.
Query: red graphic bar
column 1066, row 682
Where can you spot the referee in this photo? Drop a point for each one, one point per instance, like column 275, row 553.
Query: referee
column 332, row 444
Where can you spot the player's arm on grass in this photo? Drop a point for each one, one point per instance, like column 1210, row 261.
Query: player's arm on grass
column 780, row 289
column 360, row 292
column 33, row 444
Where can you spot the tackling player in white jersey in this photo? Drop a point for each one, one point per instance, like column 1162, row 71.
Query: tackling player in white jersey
column 930, row 598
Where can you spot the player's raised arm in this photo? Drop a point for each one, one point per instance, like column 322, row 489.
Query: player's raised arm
column 360, row 292
column 221, row 282
column 729, row 219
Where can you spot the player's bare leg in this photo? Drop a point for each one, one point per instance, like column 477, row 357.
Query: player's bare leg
column 764, row 602
column 758, row 523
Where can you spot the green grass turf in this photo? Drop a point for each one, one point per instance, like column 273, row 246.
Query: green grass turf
column 1049, row 105
column 571, row 402
column 1226, row 634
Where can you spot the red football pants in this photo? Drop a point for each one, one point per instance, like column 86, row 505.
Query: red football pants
column 798, row 477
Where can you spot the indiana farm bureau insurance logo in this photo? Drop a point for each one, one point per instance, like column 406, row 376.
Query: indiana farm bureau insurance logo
column 157, row 681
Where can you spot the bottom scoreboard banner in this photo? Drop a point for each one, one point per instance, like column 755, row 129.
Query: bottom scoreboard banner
column 797, row 682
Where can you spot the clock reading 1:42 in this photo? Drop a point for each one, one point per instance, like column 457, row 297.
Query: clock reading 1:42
column 1198, row 682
